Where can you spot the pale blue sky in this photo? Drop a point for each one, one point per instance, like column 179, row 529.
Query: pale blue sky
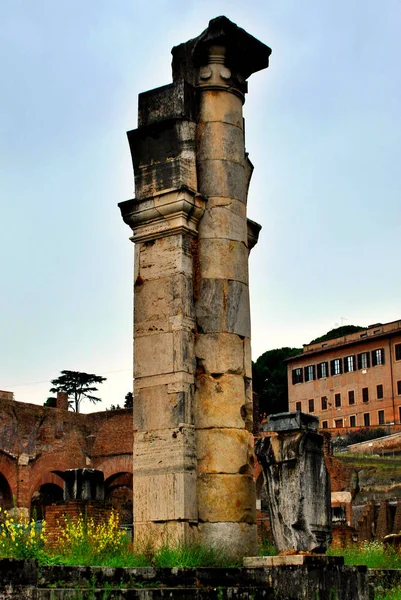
column 323, row 131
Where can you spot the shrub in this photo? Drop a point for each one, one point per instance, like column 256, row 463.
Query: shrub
column 21, row 537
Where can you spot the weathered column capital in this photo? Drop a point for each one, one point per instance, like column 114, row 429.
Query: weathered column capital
column 169, row 213
column 222, row 57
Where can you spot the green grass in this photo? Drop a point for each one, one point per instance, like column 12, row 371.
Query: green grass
column 394, row 594
column 370, row 554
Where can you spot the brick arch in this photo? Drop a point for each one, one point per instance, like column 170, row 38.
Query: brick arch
column 115, row 464
column 41, row 472
column 8, row 468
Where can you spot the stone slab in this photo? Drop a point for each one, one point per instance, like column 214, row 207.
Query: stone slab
column 236, row 539
column 256, row 562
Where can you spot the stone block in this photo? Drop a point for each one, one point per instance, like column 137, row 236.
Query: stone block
column 248, row 358
column 153, row 354
column 220, row 353
column 224, row 259
column 167, row 450
column 223, row 141
column 165, row 497
column 224, row 451
column 219, row 401
column 165, row 257
column 231, row 312
column 222, row 178
column 184, row 357
column 237, row 539
column 226, row 498
column 158, row 408
column 177, row 381
column 215, row 106
column 224, row 221
column 158, row 300
column 154, row 535
column 167, row 102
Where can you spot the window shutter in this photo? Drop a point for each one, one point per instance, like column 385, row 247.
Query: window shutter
column 354, row 361
column 368, row 359
column 345, row 364
column 332, row 369
column 374, row 358
column 313, row 372
column 293, row 377
column 359, row 361
column 382, row 353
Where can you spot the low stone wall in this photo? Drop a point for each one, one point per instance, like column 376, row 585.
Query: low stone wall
column 22, row 580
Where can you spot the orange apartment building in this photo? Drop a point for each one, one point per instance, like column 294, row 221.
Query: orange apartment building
column 350, row 381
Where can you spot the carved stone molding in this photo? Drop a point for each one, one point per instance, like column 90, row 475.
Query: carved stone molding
column 177, row 211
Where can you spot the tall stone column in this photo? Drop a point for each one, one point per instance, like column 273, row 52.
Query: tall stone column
column 192, row 359
column 223, row 398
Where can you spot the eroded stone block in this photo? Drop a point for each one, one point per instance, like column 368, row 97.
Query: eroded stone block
column 220, row 353
column 158, row 408
column 219, row 401
column 165, row 257
column 154, row 354
column 168, row 450
column 230, row 302
column 224, row 259
column 226, row 108
column 237, row 539
column 224, row 221
column 222, row 178
column 165, row 496
column 224, row 497
column 224, row 451
column 219, row 140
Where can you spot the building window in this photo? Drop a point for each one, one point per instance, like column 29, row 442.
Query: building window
column 311, row 403
column 338, row 423
column 337, row 400
column 310, row 373
column 381, row 417
column 323, row 400
column 378, row 357
column 399, row 388
column 351, row 397
column 363, row 360
column 298, row 406
column 365, row 394
column 398, row 352
column 349, row 364
column 336, row 367
column 379, row 391
column 325, row 425
column 322, row 370
column 297, row 376
column 352, row 421
column 366, row 419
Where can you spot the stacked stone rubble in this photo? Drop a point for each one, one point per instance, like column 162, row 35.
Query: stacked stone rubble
column 192, row 358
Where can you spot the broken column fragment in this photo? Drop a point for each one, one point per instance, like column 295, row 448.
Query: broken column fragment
column 192, row 360
column 298, row 483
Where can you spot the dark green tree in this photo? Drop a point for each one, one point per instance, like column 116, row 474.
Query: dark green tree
column 269, row 380
column 129, row 400
column 337, row 332
column 50, row 402
column 79, row 386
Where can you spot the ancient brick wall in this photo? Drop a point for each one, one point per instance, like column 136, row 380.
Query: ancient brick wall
column 36, row 442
